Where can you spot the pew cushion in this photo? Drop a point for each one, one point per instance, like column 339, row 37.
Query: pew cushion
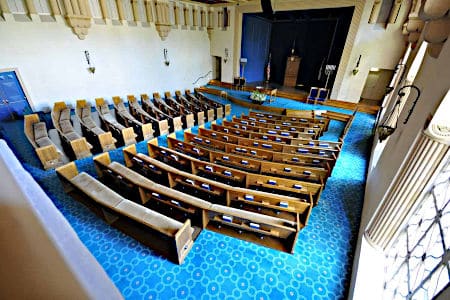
column 97, row 130
column 96, row 190
column 64, row 114
column 85, row 112
column 71, row 136
column 104, row 109
column 40, row 130
column 89, row 123
column 139, row 179
column 66, row 126
column 43, row 141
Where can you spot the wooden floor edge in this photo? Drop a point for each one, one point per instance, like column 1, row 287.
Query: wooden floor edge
column 334, row 103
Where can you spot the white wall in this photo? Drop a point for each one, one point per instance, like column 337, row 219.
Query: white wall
column 433, row 82
column 221, row 39
column 128, row 60
column 371, row 40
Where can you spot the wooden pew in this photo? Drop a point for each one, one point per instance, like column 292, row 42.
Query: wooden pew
column 187, row 115
column 36, row 133
column 123, row 135
column 299, row 132
column 153, row 195
column 163, row 106
column 175, row 122
column 272, row 123
column 316, row 152
column 277, row 136
column 233, row 177
column 101, row 141
column 248, row 164
column 285, row 138
column 295, row 159
column 143, row 131
column 74, row 145
column 165, row 235
column 160, row 127
column 198, row 110
column 216, row 192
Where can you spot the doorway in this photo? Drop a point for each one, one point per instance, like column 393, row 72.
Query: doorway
column 375, row 87
column 13, row 101
column 216, row 68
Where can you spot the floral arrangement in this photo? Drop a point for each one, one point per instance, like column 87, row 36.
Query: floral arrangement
column 258, row 97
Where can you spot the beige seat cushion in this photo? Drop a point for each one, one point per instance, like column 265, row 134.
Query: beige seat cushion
column 97, row 190
column 71, row 136
column 66, row 126
column 141, row 180
column 43, row 141
column 89, row 123
column 40, row 130
column 97, row 130
column 64, row 114
column 104, row 109
column 85, row 112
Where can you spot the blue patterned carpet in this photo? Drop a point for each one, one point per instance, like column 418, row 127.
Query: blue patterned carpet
column 221, row 267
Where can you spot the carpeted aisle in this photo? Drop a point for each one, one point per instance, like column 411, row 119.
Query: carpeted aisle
column 221, row 267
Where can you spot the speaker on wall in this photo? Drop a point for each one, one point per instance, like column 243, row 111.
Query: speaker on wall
column 267, row 7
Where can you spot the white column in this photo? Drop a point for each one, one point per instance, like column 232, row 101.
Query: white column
column 426, row 155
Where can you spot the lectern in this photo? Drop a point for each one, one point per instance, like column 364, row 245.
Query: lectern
column 291, row 73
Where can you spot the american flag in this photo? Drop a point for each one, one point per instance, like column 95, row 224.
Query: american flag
column 268, row 67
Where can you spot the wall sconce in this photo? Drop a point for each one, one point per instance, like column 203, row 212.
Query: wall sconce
column 226, row 55
column 356, row 70
column 166, row 58
column 90, row 68
column 390, row 123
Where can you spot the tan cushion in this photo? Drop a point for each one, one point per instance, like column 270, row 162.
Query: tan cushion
column 64, row 114
column 89, row 123
column 85, row 112
column 97, row 190
column 97, row 130
column 71, row 136
column 104, row 109
column 40, row 130
column 139, row 179
column 66, row 126
column 43, row 141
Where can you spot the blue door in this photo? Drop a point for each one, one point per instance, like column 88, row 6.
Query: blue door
column 13, row 102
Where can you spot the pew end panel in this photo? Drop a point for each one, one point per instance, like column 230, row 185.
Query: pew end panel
column 107, row 142
column 29, row 121
column 103, row 159
column 81, row 148
column 128, row 153
column 66, row 173
column 147, row 131
column 128, row 135
column 210, row 115
column 177, row 124
column 227, row 110
column 200, row 118
column 49, row 156
column 190, row 121
column 183, row 241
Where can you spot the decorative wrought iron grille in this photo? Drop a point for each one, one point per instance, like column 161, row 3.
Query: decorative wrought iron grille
column 417, row 265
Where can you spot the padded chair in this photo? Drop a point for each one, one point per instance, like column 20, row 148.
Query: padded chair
column 313, row 92
column 322, row 96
